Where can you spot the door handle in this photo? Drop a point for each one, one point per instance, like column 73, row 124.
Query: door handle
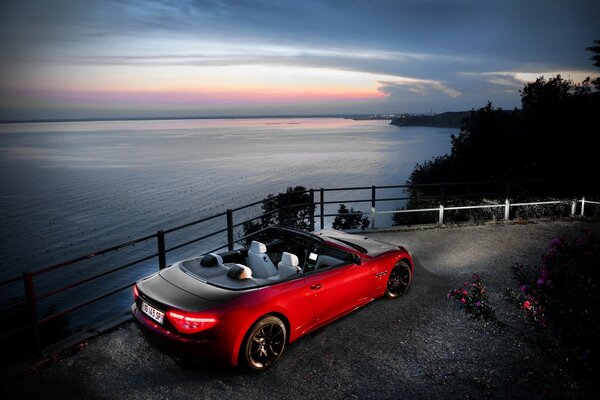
column 316, row 286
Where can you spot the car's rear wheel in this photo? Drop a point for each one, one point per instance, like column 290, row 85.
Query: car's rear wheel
column 399, row 280
column 264, row 344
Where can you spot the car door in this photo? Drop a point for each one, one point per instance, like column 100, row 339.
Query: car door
column 337, row 288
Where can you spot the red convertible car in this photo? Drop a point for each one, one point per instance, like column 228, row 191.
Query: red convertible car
column 245, row 306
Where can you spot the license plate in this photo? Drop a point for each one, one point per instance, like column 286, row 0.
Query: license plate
column 153, row 313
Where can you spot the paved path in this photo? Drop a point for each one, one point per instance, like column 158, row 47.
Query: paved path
column 418, row 346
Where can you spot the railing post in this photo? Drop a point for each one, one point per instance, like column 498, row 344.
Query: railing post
column 582, row 204
column 311, row 223
column 288, row 216
column 30, row 294
column 162, row 257
column 229, row 229
column 441, row 215
column 507, row 209
column 574, row 207
column 373, row 195
column 322, row 209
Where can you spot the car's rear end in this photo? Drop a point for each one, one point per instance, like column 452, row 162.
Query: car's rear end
column 184, row 317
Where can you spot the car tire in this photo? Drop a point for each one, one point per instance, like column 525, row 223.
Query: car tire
column 264, row 344
column 399, row 280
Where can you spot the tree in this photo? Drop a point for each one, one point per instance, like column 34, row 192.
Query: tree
column 293, row 208
column 549, row 138
column 349, row 219
column 596, row 59
column 596, row 50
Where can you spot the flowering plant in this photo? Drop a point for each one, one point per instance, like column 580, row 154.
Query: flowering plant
column 560, row 299
column 473, row 299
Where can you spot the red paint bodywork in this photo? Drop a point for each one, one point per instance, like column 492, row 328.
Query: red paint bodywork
column 304, row 304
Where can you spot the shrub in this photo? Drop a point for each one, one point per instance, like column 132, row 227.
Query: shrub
column 562, row 296
column 349, row 219
column 559, row 299
column 292, row 208
column 473, row 299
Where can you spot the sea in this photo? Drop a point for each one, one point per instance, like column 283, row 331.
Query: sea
column 72, row 188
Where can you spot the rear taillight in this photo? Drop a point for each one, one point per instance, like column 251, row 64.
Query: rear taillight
column 191, row 322
column 136, row 292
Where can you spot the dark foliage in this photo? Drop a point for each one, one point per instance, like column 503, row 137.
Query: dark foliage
column 596, row 59
column 550, row 139
column 445, row 120
column 292, row 208
column 560, row 300
column 562, row 297
column 349, row 219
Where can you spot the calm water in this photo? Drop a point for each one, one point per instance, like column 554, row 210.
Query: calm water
column 72, row 188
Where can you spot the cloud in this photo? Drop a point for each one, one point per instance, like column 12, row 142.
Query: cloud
column 416, row 52
column 416, row 87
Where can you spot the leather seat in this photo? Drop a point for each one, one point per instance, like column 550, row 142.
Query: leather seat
column 259, row 262
column 288, row 265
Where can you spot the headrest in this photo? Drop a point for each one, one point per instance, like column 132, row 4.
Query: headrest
column 289, row 258
column 211, row 260
column 239, row 271
column 258, row 247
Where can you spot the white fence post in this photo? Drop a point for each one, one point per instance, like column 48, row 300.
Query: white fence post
column 582, row 204
column 506, row 210
column 573, row 207
column 441, row 216
column 373, row 211
column 373, row 214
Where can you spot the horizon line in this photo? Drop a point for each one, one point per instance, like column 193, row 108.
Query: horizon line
column 166, row 118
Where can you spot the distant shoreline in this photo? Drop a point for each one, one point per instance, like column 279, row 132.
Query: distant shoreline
column 443, row 120
column 108, row 119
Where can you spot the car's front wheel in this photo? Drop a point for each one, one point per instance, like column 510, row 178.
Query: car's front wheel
column 264, row 344
column 399, row 280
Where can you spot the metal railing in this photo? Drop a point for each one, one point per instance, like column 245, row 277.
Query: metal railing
column 439, row 193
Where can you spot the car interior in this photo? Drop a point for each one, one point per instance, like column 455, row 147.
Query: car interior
column 282, row 258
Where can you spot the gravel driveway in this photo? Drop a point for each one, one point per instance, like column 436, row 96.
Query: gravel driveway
column 419, row 346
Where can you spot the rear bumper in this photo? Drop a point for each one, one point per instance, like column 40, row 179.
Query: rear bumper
column 175, row 344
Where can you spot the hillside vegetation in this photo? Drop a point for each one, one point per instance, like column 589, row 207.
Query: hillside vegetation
column 550, row 137
column 444, row 120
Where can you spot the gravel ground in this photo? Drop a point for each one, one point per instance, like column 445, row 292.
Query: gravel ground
column 419, row 346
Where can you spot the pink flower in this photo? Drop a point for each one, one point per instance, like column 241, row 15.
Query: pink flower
column 463, row 300
column 526, row 305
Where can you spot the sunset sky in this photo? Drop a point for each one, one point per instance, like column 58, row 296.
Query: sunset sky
column 154, row 58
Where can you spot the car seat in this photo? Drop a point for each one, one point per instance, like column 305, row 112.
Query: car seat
column 259, row 262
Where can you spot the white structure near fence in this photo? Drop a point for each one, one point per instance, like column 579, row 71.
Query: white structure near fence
column 507, row 206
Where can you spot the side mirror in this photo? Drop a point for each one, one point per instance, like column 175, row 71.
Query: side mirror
column 357, row 260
